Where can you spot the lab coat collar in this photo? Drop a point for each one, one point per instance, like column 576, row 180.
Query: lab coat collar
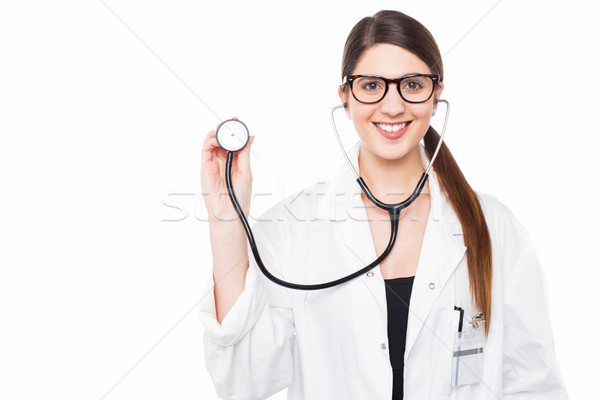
column 441, row 251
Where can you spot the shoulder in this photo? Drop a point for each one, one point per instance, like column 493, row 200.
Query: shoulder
column 499, row 218
column 512, row 247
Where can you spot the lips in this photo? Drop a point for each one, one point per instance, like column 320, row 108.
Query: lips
column 392, row 130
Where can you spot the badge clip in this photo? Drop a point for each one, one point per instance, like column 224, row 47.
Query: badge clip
column 477, row 320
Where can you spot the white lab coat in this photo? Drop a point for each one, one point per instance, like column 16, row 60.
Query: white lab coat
column 332, row 343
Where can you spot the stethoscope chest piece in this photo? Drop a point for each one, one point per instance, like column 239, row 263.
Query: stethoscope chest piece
column 232, row 135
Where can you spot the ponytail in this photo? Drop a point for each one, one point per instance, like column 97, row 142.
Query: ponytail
column 476, row 236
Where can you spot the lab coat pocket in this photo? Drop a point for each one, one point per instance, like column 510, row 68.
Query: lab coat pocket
column 467, row 358
column 462, row 393
column 443, row 366
column 458, row 393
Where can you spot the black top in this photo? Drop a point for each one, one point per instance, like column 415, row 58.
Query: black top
column 398, row 292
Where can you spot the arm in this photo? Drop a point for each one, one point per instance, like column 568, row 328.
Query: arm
column 249, row 354
column 249, row 335
column 227, row 237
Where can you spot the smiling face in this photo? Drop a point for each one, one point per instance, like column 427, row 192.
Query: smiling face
column 391, row 128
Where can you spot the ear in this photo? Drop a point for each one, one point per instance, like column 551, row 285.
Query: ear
column 344, row 98
column 437, row 95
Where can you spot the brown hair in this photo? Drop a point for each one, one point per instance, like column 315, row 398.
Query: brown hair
column 401, row 30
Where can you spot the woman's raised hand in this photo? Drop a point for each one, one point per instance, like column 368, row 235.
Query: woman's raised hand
column 214, row 187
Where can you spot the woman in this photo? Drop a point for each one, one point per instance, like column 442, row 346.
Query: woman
column 461, row 258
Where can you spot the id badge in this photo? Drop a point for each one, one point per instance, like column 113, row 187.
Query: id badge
column 467, row 360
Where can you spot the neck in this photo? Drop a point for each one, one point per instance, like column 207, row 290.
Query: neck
column 391, row 181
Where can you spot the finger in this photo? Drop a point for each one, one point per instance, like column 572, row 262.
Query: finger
column 243, row 162
column 210, row 135
column 210, row 140
column 209, row 146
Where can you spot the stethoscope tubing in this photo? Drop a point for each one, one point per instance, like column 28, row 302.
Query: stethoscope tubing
column 392, row 209
column 394, row 220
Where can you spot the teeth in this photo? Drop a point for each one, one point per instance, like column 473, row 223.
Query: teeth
column 392, row 128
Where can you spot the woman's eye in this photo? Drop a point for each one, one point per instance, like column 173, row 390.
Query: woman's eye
column 372, row 86
column 412, row 85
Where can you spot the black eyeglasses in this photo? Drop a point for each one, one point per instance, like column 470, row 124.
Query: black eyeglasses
column 413, row 88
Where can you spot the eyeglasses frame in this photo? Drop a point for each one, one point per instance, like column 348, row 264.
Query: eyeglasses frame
column 349, row 80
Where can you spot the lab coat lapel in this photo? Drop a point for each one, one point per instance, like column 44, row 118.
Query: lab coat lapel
column 360, row 250
column 353, row 242
column 441, row 252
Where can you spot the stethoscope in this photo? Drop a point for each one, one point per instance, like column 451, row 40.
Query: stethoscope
column 233, row 135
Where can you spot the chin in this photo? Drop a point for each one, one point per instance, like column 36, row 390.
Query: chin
column 389, row 152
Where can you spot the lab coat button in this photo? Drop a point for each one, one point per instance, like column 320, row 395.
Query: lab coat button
column 432, row 286
column 370, row 274
column 383, row 346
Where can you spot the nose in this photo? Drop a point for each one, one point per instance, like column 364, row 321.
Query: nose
column 392, row 103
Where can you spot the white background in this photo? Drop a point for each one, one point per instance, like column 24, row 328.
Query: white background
column 104, row 108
